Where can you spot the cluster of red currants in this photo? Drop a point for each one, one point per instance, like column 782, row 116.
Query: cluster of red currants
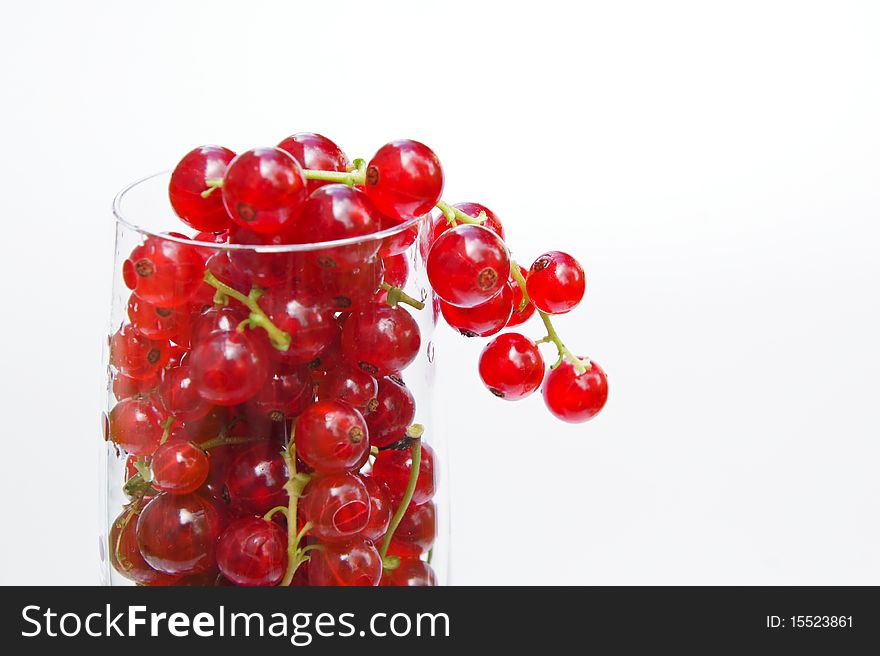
column 259, row 384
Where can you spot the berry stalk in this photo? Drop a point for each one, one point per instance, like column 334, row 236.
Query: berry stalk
column 295, row 485
column 414, row 433
column 580, row 365
column 454, row 215
column 397, row 295
column 257, row 318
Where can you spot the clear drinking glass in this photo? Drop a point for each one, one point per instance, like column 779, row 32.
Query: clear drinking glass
column 206, row 387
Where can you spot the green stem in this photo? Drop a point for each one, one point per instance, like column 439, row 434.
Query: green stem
column 294, row 486
column 257, row 318
column 397, row 295
column 276, row 509
column 580, row 365
column 223, row 440
column 356, row 177
column 167, row 431
column 407, row 495
column 454, row 215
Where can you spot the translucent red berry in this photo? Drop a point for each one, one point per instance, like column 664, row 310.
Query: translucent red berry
column 136, row 426
column 179, row 395
column 311, row 327
column 163, row 272
column 574, row 397
column 257, row 267
column 355, row 564
column 391, row 413
column 556, row 282
column 337, row 505
column 125, row 556
column 511, row 366
column 396, row 270
column 176, row 533
column 468, row 265
column 381, row 339
column 252, row 551
column 188, row 181
column 349, row 384
column 337, row 290
column 393, row 466
column 404, row 179
column 264, row 190
column 154, row 322
column 411, row 572
column 255, row 479
column 401, row 240
column 124, row 386
column 480, row 320
column 380, row 509
column 285, row 395
column 317, row 152
column 519, row 316
column 179, row 467
column 331, row 437
column 136, row 355
column 416, row 532
column 228, row 367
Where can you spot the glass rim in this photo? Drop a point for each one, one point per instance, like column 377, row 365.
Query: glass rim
column 260, row 248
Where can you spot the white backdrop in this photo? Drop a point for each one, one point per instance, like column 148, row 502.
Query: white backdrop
column 715, row 166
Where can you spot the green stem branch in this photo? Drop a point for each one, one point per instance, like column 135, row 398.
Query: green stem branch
column 416, row 455
column 397, row 295
column 257, row 318
column 454, row 215
column 295, row 485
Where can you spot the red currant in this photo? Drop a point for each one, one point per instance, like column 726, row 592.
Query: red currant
column 217, row 318
column 264, row 190
column 392, row 412
column 253, row 266
column 381, row 339
column 349, row 384
column 285, row 395
column 336, row 212
column 136, row 426
column 401, row 240
column 411, row 572
column 228, row 367
column 163, row 272
column 511, row 366
column 380, row 509
column 481, row 320
column 519, row 317
column 125, row 556
column 343, row 291
column 331, row 437
column 441, row 224
column 337, row 505
column 316, row 152
column 188, row 183
column 125, row 386
column 311, row 327
column 176, row 533
column 256, row 478
column 179, row 395
column 404, row 179
column 157, row 323
column 179, row 467
column 354, row 564
column 137, row 356
column 556, row 282
column 252, row 551
column 468, row 265
column 393, row 466
column 396, row 269
column 574, row 397
column 416, row 532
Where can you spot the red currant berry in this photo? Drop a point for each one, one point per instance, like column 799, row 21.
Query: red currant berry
column 396, row 270
column 519, row 317
column 252, row 551
column 337, row 505
column 354, row 564
column 188, row 183
column 222, row 267
column 125, row 556
column 163, row 272
column 468, row 265
column 391, row 413
column 556, row 282
column 349, row 384
column 228, row 368
column 441, row 224
column 179, row 467
column 157, row 323
column 401, row 240
column 380, row 509
column 217, row 318
column 176, row 533
column 481, row 320
column 256, row 478
column 316, row 152
column 311, row 327
column 416, row 532
column 136, row 426
column 137, row 356
column 285, row 395
column 404, row 179
column 264, row 190
column 411, row 572
column 574, row 397
column 179, row 395
column 511, row 366
column 331, row 437
column 393, row 466
column 343, row 291
column 125, row 386
column 253, row 266
column 381, row 339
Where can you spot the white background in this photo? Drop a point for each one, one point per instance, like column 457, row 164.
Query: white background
column 715, row 166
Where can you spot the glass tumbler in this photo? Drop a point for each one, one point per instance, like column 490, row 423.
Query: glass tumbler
column 267, row 407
